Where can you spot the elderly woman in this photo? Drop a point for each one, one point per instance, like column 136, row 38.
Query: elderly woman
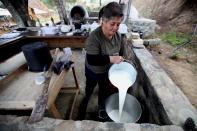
column 103, row 49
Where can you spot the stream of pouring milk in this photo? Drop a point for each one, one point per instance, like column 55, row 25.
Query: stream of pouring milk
column 122, row 81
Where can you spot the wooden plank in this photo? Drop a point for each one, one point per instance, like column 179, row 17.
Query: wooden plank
column 40, row 106
column 61, row 41
column 55, row 111
column 10, row 76
column 65, row 42
column 73, row 104
column 37, row 35
column 55, row 87
column 19, row 92
column 69, row 88
column 17, row 105
column 19, row 86
column 74, row 75
column 56, row 84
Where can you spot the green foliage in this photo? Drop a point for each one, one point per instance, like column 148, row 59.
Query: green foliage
column 175, row 55
column 174, row 38
column 49, row 3
column 70, row 1
column 93, row 9
column 93, row 1
column 1, row 5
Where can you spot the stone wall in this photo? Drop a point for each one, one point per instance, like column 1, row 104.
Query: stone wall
column 146, row 26
column 169, row 103
column 152, row 109
column 12, row 123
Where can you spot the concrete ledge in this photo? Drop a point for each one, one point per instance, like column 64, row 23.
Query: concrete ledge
column 175, row 103
column 8, row 123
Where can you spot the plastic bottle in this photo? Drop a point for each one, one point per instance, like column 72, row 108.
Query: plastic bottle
column 87, row 28
column 84, row 52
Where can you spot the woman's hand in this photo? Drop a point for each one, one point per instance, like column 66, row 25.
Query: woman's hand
column 116, row 59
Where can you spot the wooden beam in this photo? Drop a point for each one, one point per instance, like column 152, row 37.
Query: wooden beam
column 19, row 11
column 61, row 10
column 17, row 105
column 56, row 84
column 41, row 103
column 55, row 112
column 73, row 104
column 61, row 41
column 15, row 14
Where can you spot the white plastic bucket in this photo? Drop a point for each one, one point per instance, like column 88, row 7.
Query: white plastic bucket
column 124, row 69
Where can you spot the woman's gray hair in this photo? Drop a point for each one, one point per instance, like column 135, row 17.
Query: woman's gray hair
column 105, row 19
column 113, row 9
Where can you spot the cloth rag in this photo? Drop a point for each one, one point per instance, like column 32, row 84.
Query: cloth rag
column 60, row 65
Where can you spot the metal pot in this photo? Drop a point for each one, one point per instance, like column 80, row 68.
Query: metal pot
column 124, row 67
column 132, row 108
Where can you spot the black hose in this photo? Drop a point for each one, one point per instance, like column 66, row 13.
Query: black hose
column 183, row 43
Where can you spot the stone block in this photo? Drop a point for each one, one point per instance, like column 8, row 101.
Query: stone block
column 101, row 127
column 68, row 125
column 147, row 26
column 171, row 128
column 152, row 42
column 137, row 42
column 147, row 127
column 112, row 126
column 131, row 127
column 135, row 35
column 89, row 125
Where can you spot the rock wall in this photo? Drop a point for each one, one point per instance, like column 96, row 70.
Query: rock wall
column 152, row 109
column 181, row 15
column 165, row 102
column 11, row 123
column 146, row 26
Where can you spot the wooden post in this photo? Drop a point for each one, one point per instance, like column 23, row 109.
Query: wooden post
column 14, row 13
column 61, row 10
column 19, row 11
column 76, row 82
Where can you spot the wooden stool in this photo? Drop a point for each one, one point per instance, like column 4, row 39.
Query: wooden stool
column 54, row 88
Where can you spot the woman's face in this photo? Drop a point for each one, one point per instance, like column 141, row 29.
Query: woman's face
column 111, row 26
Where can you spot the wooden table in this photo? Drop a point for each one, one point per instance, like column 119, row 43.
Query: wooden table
column 9, row 47
column 58, row 40
column 18, row 90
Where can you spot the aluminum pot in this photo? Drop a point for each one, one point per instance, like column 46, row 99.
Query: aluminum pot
column 132, row 108
column 124, row 67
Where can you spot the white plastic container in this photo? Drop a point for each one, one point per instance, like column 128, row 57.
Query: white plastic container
column 51, row 30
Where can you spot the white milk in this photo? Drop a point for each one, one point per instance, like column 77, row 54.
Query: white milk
column 125, row 117
column 122, row 96
column 122, row 81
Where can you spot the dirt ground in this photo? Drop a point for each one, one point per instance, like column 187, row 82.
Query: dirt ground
column 183, row 71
